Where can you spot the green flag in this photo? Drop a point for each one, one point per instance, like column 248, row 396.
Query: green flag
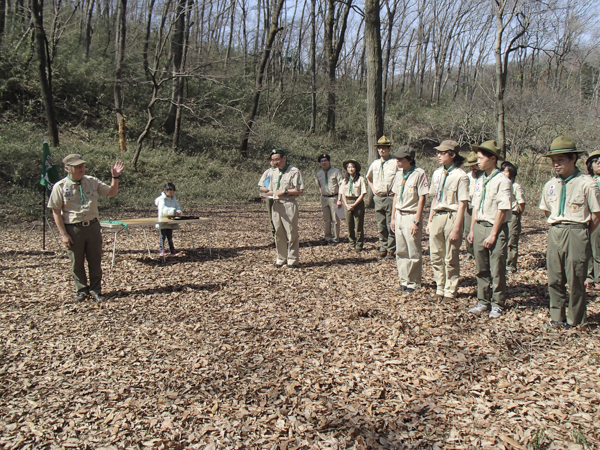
column 49, row 171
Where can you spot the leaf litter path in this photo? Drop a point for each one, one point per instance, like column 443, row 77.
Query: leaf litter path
column 230, row 352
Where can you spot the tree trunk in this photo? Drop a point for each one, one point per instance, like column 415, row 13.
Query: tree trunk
column 44, row 68
column 2, row 22
column 181, row 80
column 374, row 79
column 259, row 77
column 231, row 30
column 120, row 57
column 313, row 67
column 177, row 54
column 87, row 28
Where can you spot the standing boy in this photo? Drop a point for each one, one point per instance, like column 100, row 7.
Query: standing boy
column 329, row 180
column 474, row 172
column 514, row 226
column 492, row 203
column 571, row 202
column 381, row 175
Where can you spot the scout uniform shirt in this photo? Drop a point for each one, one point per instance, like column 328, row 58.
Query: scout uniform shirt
column 382, row 174
column 454, row 190
column 330, row 186
column 581, row 200
column 66, row 196
column 472, row 182
column 518, row 197
column 359, row 187
column 289, row 178
column 408, row 195
column 267, row 178
column 497, row 196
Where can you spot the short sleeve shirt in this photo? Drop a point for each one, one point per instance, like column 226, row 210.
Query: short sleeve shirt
column 582, row 199
column 290, row 179
column 359, row 187
column 66, row 196
column 382, row 174
column 266, row 179
column 414, row 187
column 334, row 179
column 498, row 196
column 518, row 196
column 456, row 189
column 472, row 181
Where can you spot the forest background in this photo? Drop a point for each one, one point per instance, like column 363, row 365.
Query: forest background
column 198, row 93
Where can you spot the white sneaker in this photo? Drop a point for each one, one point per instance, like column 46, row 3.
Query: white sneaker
column 495, row 312
column 479, row 308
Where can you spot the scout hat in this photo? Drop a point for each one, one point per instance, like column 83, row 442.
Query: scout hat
column 72, row 160
column 471, row 159
column 489, row 147
column 594, row 153
column 323, row 155
column 405, row 152
column 277, row 151
column 446, row 146
column 383, row 140
column 353, row 161
column 561, row 145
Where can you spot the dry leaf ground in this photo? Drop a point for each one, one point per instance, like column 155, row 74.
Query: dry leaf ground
column 229, row 352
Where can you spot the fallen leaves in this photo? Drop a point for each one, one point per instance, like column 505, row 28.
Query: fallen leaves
column 229, row 352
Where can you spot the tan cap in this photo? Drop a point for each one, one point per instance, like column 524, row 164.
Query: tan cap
column 351, row 161
column 490, row 147
column 594, row 153
column 562, row 145
column 471, row 159
column 405, row 152
column 446, row 146
column 73, row 160
column 383, row 140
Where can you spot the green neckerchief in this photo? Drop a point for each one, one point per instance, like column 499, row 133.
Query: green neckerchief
column 446, row 172
column 326, row 182
column 84, row 200
column 287, row 164
column 116, row 222
column 485, row 182
column 404, row 178
column 351, row 181
column 563, row 192
column 383, row 161
column 597, row 178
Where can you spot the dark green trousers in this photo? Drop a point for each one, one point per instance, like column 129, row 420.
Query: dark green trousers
column 355, row 220
column 269, row 202
column 467, row 230
column 593, row 276
column 87, row 245
column 514, row 233
column 383, row 216
column 567, row 260
column 491, row 265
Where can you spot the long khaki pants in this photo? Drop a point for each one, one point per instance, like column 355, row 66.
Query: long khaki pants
column 330, row 217
column 87, row 246
column 444, row 254
column 355, row 220
column 409, row 257
column 514, row 233
column 567, row 261
column 383, row 216
column 467, row 230
column 269, row 202
column 285, row 220
column 594, row 264
column 491, row 265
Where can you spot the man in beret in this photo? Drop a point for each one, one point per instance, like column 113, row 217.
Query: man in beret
column 74, row 204
column 285, row 187
column 492, row 210
column 571, row 202
column 381, row 176
column 329, row 179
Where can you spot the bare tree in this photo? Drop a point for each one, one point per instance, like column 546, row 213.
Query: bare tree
column 119, row 58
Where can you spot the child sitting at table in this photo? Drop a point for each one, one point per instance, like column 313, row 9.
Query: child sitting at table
column 167, row 206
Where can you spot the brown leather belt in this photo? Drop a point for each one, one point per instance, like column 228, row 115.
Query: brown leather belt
column 85, row 223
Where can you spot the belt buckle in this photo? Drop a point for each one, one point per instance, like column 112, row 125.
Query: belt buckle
column 85, row 223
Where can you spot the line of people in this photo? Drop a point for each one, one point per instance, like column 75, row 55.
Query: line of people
column 484, row 207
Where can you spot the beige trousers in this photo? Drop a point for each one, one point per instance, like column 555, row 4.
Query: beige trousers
column 444, row 253
column 285, row 220
column 328, row 204
column 409, row 257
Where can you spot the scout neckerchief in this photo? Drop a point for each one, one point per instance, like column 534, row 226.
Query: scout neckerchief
column 563, row 192
column 84, row 200
column 597, row 178
column 351, row 181
column 446, row 172
column 326, row 182
column 485, row 182
column 404, row 178
column 383, row 161
column 281, row 172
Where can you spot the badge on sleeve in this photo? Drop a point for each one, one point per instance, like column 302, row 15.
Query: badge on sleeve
column 68, row 192
column 551, row 191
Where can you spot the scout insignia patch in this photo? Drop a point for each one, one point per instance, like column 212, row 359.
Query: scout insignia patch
column 68, row 192
column 575, row 208
column 551, row 191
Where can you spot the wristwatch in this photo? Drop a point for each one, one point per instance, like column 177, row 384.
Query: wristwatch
column 286, row 192
column 417, row 223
